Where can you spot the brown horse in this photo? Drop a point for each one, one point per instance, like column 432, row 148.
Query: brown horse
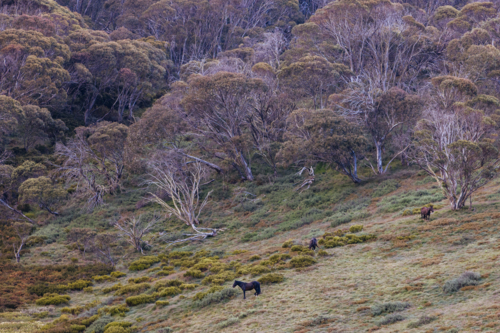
column 425, row 212
column 313, row 244
column 248, row 286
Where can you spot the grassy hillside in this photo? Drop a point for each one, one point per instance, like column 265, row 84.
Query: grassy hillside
column 398, row 274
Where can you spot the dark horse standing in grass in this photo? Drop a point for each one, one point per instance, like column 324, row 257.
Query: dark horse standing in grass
column 426, row 212
column 248, row 286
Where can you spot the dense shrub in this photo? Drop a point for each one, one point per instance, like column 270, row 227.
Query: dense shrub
column 112, row 288
column 42, row 289
column 255, row 257
column 53, row 299
column 168, row 283
column 116, row 310
column 132, row 288
column 117, row 329
column 179, row 254
column 188, row 286
column 140, row 299
column 139, row 279
column 302, row 261
column 117, row 274
column 212, row 289
column 162, row 303
column 389, row 307
column 391, row 319
column 276, row 258
column 124, row 324
column 77, row 328
column 287, row 244
column 79, row 285
column 216, row 297
column 356, row 228
column 298, row 248
column 170, row 291
column 323, row 253
column 143, row 263
column 464, row 280
column 259, row 269
column 219, row 278
column 194, row 273
column 271, row 278
column 74, row 310
column 103, row 278
column 99, row 325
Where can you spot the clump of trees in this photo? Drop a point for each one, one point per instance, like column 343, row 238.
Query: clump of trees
column 181, row 89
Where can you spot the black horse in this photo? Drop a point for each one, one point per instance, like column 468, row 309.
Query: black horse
column 248, row 286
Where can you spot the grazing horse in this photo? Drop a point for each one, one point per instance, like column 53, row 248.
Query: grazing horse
column 313, row 244
column 248, row 286
column 425, row 212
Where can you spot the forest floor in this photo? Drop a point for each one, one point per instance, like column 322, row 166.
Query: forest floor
column 393, row 283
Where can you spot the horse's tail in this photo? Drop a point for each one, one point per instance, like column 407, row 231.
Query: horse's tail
column 256, row 285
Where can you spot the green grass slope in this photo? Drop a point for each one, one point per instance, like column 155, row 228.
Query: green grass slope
column 408, row 278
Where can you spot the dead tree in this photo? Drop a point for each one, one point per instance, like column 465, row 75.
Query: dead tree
column 133, row 229
column 23, row 231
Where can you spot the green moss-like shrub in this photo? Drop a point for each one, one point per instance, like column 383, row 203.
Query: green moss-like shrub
column 298, row 248
column 116, row 310
column 179, row 254
column 79, row 285
column 90, row 320
column 407, row 212
column 194, row 273
column 139, row 299
column 287, row 244
column 259, row 269
column 170, row 291
column 139, row 279
column 464, row 280
column 117, row 329
column 103, row 278
column 98, row 325
column 168, row 283
column 162, row 303
column 42, row 289
column 302, row 261
column 188, row 286
column 143, row 263
column 124, row 324
column 117, row 274
column 323, row 253
column 255, row 257
column 132, row 288
column 216, row 297
column 53, row 299
column 77, row 328
column 271, row 278
column 389, row 307
column 219, row 278
column 276, row 258
column 112, row 288
column 356, row 228
column 201, row 295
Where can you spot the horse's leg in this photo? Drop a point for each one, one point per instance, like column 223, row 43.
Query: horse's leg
column 244, row 297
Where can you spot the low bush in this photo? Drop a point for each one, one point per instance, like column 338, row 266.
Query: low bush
column 77, row 328
column 117, row 274
column 170, row 291
column 219, row 278
column 259, row 269
column 391, row 319
column 302, row 261
column 103, row 278
column 115, row 310
column 168, row 283
column 287, row 244
column 194, row 273
column 271, row 278
column 132, row 288
column 216, row 297
column 117, row 329
column 42, row 289
column 389, row 307
column 139, row 279
column 143, row 263
column 298, row 248
column 356, row 228
column 229, row 322
column 139, row 299
column 162, row 303
column 255, row 257
column 188, row 286
column 179, row 254
column 424, row 320
column 124, row 324
column 323, row 253
column 98, row 325
column 112, row 288
column 464, row 280
column 277, row 258
column 74, row 311
column 212, row 289
column 53, row 299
